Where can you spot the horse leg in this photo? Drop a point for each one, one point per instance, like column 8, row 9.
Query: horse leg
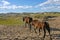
column 39, row 31
column 29, row 26
column 49, row 34
column 44, row 32
column 48, row 29
column 25, row 25
column 35, row 29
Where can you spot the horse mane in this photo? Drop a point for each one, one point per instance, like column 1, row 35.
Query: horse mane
column 31, row 19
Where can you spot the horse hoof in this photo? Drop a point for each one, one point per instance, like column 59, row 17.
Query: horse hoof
column 50, row 38
column 42, row 38
column 36, row 32
column 39, row 33
column 25, row 27
column 30, row 31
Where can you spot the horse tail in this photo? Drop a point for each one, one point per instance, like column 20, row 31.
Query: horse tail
column 47, row 27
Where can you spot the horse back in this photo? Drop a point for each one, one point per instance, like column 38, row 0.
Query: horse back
column 27, row 19
column 37, row 23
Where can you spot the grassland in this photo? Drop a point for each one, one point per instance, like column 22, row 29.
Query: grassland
column 16, row 19
column 10, row 20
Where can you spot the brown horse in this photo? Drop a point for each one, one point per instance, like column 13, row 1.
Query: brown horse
column 37, row 24
column 27, row 20
column 41, row 25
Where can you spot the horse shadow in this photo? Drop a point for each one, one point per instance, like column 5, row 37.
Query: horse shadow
column 55, row 29
column 55, row 35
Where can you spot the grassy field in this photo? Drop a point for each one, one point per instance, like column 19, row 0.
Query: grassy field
column 16, row 19
column 10, row 20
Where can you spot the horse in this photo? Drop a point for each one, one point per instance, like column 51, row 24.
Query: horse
column 37, row 24
column 27, row 20
column 41, row 26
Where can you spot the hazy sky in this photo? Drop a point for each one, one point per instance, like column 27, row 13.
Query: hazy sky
column 29, row 6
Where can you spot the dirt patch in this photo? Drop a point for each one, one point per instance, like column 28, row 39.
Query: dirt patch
column 21, row 33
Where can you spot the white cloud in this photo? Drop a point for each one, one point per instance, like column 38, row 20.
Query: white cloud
column 49, row 5
column 24, row 7
column 7, row 5
column 50, row 2
column 42, row 4
column 5, row 2
column 58, row 7
column 15, row 7
column 51, row 8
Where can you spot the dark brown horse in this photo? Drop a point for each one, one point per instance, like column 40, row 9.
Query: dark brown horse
column 27, row 20
column 41, row 25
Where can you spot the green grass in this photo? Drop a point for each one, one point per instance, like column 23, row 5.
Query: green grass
column 11, row 21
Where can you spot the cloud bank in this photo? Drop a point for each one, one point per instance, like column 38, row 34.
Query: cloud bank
column 7, row 5
column 50, row 4
column 47, row 5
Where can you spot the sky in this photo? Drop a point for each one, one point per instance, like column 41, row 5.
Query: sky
column 29, row 6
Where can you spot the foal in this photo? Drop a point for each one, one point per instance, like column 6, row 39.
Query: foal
column 41, row 25
column 27, row 20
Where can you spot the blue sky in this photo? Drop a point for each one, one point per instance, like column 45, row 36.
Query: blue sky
column 29, row 6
